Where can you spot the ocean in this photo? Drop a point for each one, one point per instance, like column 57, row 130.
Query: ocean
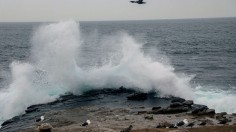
column 192, row 59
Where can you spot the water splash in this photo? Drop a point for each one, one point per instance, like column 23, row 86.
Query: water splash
column 53, row 70
column 220, row 100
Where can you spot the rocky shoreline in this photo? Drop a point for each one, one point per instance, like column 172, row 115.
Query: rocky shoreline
column 134, row 111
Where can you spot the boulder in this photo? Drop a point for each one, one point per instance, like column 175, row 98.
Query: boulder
column 176, row 110
column 123, row 90
column 223, row 113
column 176, row 104
column 31, row 109
column 156, row 108
column 210, row 112
column 223, row 121
column 198, row 109
column 137, row 96
column 177, row 99
column 188, row 102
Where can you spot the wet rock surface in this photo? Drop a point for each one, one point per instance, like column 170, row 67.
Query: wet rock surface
column 111, row 110
column 137, row 96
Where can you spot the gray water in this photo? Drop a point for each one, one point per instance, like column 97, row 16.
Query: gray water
column 203, row 50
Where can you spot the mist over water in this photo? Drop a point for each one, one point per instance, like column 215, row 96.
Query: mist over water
column 54, row 69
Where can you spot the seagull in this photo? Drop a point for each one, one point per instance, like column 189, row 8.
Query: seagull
column 40, row 119
column 138, row 2
column 185, row 121
column 86, row 123
column 181, row 123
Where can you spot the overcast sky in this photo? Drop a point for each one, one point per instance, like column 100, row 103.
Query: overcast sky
column 87, row 10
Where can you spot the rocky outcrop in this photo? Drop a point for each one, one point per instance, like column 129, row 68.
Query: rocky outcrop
column 210, row 112
column 177, row 99
column 169, row 110
column 188, row 102
column 137, row 96
column 156, row 108
column 175, row 105
column 178, row 105
column 14, row 119
column 31, row 109
column 198, row 109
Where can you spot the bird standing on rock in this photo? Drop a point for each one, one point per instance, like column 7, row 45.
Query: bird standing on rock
column 86, row 123
column 40, row 119
column 181, row 123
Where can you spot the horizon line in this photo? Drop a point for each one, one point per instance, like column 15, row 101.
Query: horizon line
column 117, row 20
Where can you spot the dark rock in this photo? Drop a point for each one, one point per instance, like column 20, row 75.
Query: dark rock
column 7, row 122
column 223, row 113
column 127, row 129
column 201, row 113
column 172, row 126
column 170, row 110
column 210, row 111
column 175, row 104
column 188, row 102
column 233, row 114
column 176, row 110
column 137, row 96
column 223, row 121
column 202, row 123
column 180, row 100
column 181, row 123
column 198, row 109
column 32, row 109
column 159, row 111
column 156, row 108
column 124, row 90
column 14, row 119
column 191, row 124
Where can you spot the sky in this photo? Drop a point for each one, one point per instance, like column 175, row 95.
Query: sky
column 99, row 10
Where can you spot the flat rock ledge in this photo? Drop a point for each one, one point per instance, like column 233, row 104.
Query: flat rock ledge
column 132, row 119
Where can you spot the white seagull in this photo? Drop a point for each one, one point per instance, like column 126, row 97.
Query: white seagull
column 86, row 123
column 40, row 119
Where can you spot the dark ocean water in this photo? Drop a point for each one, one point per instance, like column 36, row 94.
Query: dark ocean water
column 203, row 50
